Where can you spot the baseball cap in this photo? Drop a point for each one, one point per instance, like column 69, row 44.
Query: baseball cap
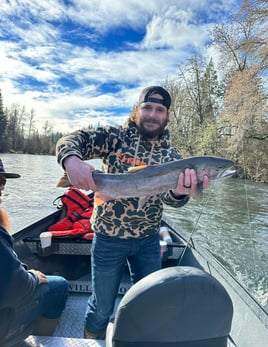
column 7, row 174
column 147, row 96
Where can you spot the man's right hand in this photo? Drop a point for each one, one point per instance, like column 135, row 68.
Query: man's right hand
column 79, row 173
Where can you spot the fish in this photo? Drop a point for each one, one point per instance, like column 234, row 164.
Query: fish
column 156, row 179
column 64, row 181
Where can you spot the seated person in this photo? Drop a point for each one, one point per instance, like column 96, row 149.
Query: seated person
column 30, row 301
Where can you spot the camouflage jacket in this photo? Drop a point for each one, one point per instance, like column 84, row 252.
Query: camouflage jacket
column 119, row 149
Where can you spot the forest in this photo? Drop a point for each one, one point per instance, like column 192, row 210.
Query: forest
column 219, row 108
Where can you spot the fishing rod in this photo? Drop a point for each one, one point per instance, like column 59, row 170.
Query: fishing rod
column 190, row 239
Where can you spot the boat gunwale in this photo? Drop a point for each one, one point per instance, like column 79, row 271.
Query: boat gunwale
column 211, row 261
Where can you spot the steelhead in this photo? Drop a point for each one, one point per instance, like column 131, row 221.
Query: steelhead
column 156, row 179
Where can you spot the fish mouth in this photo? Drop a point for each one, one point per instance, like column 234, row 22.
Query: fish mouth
column 226, row 173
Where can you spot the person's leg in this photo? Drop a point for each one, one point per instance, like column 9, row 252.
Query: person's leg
column 48, row 301
column 53, row 304
column 108, row 259
column 145, row 257
column 55, row 297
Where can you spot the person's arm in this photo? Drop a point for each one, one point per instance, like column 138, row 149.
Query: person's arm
column 73, row 149
column 4, row 220
column 13, row 274
column 85, row 144
column 79, row 173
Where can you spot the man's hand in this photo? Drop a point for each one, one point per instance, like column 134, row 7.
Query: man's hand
column 187, row 183
column 41, row 276
column 79, row 173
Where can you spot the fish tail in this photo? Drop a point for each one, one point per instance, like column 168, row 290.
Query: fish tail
column 64, row 181
column 100, row 199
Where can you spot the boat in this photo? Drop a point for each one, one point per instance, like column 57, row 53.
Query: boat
column 193, row 301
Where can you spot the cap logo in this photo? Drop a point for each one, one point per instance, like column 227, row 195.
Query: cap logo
column 158, row 101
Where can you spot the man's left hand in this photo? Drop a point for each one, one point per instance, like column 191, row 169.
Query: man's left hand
column 187, row 183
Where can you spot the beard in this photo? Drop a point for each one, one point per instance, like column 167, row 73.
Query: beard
column 152, row 134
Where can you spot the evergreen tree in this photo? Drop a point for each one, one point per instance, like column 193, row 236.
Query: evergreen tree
column 3, row 126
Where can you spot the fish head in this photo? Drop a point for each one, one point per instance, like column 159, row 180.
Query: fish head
column 214, row 168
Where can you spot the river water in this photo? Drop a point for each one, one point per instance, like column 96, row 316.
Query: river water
column 232, row 221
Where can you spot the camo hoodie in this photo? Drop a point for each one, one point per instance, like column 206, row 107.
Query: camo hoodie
column 119, row 149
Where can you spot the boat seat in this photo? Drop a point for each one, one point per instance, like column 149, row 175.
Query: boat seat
column 79, row 246
column 178, row 307
column 63, row 246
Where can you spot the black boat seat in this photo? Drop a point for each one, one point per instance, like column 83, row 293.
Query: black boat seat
column 178, row 307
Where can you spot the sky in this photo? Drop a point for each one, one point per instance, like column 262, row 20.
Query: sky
column 84, row 62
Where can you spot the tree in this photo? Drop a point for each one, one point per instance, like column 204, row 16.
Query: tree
column 244, row 42
column 196, row 96
column 256, row 12
column 29, row 131
column 3, row 126
column 15, row 129
column 244, row 116
column 243, row 47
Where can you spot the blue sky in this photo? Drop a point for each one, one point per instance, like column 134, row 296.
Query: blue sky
column 84, row 62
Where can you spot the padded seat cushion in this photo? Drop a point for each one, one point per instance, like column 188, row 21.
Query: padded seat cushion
column 174, row 305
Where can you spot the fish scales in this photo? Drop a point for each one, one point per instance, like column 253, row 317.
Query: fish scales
column 156, row 179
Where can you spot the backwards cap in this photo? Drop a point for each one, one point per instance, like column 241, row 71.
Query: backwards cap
column 147, row 96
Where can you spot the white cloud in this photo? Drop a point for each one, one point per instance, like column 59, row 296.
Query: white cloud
column 170, row 32
column 38, row 46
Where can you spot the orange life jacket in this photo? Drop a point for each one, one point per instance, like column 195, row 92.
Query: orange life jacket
column 77, row 209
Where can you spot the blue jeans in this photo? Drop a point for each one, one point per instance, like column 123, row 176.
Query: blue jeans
column 108, row 261
column 48, row 301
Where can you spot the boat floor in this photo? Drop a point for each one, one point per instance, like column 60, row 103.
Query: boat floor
column 69, row 331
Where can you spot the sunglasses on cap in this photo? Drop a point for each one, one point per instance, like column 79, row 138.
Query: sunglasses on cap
column 3, row 179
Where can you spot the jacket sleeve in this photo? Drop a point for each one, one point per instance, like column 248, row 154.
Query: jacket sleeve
column 84, row 144
column 13, row 274
column 169, row 199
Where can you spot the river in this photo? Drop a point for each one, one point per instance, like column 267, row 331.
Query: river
column 232, row 222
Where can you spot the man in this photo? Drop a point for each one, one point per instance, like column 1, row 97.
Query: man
column 30, row 301
column 122, row 231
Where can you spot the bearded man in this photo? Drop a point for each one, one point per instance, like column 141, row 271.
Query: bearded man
column 124, row 233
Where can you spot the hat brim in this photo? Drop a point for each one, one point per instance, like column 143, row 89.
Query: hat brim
column 11, row 175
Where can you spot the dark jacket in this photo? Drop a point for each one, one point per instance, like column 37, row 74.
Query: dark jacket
column 119, row 149
column 15, row 281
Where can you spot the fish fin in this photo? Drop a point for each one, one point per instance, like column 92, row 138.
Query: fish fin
column 142, row 201
column 136, row 168
column 100, row 199
column 199, row 192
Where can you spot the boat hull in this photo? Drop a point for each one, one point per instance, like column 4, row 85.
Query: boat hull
column 71, row 258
